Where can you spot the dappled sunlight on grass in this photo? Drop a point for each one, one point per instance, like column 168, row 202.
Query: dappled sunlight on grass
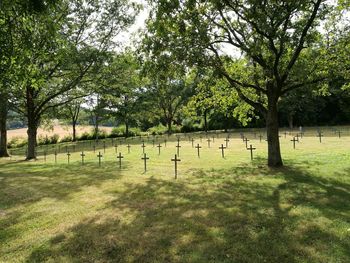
column 218, row 210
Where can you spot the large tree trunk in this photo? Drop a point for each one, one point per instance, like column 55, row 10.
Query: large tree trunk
column 169, row 123
column 74, row 124
column 32, row 132
column 205, row 121
column 274, row 152
column 3, row 128
column 126, row 128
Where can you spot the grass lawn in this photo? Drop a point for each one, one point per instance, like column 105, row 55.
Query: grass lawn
column 218, row 210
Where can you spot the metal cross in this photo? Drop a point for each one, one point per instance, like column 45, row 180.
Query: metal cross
column 246, row 142
column 159, row 146
column 55, row 157
column 145, row 158
column 294, row 140
column 198, row 147
column 222, row 150
column 192, row 140
column 129, row 146
column 68, row 156
column 175, row 160
column 226, row 141
column 178, row 149
column 82, row 157
column 251, row 149
column 260, row 137
column 208, row 140
column 99, row 158
column 120, row 160
column 320, row 135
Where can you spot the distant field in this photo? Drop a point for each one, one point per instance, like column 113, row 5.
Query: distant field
column 61, row 130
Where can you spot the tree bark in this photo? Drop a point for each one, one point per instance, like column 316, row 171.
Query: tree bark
column 205, row 121
column 126, row 128
column 3, row 128
column 32, row 132
column 74, row 124
column 169, row 123
column 272, row 127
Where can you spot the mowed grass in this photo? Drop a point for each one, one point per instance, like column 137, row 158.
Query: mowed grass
column 218, row 210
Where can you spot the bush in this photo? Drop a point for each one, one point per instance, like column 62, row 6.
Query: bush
column 118, row 131
column 16, row 142
column 135, row 131
column 157, row 130
column 45, row 140
column 84, row 136
column 54, row 138
column 67, row 138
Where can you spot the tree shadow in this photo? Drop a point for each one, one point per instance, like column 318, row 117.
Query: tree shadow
column 228, row 215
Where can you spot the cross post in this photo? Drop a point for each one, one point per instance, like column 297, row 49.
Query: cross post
column 99, row 158
column 145, row 158
column 120, row 160
column 246, row 142
column 82, row 157
column 68, row 156
column 175, row 160
column 159, row 146
column 198, row 147
column 294, row 140
column 178, row 149
column 222, row 150
column 251, row 149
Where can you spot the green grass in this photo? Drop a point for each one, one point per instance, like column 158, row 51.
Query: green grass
column 218, row 210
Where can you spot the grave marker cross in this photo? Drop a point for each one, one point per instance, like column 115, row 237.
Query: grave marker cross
column 198, row 147
column 320, row 135
column 129, row 146
column 55, row 157
column 178, row 149
column 175, row 160
column 226, row 141
column 82, row 157
column 251, row 149
column 159, row 146
column 120, row 160
column 99, row 158
column 208, row 140
column 68, row 156
column 294, row 140
column 192, row 140
column 260, row 137
column 246, row 142
column 222, row 150
column 145, row 158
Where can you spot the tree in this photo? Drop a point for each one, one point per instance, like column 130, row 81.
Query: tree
column 271, row 35
column 60, row 48
column 12, row 18
column 169, row 87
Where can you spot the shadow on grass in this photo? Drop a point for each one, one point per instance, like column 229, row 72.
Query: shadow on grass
column 230, row 215
column 33, row 182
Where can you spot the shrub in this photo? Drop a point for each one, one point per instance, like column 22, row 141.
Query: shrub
column 118, row 131
column 157, row 130
column 54, row 139
column 84, row 136
column 43, row 140
column 16, row 142
column 67, row 138
column 135, row 131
